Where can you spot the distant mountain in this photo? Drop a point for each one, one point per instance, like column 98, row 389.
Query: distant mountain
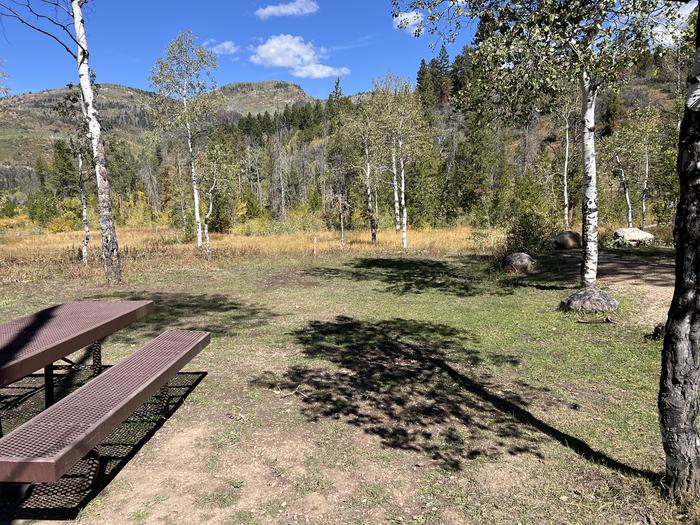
column 29, row 123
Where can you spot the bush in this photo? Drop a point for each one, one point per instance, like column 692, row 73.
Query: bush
column 535, row 220
column 63, row 223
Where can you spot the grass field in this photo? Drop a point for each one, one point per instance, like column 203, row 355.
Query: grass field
column 370, row 386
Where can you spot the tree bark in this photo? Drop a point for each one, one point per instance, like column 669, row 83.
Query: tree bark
column 404, row 213
column 626, row 191
column 368, row 187
column 207, row 249
column 567, row 225
column 193, row 179
column 84, row 204
column 395, row 183
column 645, row 190
column 680, row 365
column 110, row 246
column 589, row 266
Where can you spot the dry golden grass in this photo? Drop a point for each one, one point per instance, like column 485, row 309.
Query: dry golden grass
column 21, row 244
column 27, row 256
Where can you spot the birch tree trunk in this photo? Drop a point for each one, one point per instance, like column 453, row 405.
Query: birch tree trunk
column 395, row 184
column 567, row 225
column 193, row 179
column 342, row 221
column 110, row 247
column 180, row 185
column 680, row 365
column 626, row 190
column 645, row 190
column 83, row 203
column 368, row 185
column 404, row 213
column 589, row 266
column 206, row 221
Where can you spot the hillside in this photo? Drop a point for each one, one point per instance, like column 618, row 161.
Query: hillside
column 29, row 123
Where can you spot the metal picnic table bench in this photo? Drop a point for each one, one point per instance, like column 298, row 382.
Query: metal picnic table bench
column 48, row 445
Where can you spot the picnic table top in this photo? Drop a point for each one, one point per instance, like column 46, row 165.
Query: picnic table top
column 30, row 343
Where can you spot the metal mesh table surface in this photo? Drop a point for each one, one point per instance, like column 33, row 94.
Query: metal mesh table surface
column 42, row 449
column 29, row 343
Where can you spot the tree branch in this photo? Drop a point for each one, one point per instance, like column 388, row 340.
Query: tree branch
column 11, row 13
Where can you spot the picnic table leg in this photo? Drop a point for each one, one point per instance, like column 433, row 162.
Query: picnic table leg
column 96, row 350
column 162, row 401
column 48, row 385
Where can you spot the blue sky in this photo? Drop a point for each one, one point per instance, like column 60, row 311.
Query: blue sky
column 308, row 42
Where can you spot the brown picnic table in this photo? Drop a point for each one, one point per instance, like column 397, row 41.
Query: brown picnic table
column 37, row 341
column 45, row 447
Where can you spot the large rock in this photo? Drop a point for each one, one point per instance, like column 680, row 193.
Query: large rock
column 590, row 299
column 567, row 240
column 632, row 237
column 519, row 262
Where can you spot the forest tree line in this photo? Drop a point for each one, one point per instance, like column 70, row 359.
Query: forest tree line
column 403, row 149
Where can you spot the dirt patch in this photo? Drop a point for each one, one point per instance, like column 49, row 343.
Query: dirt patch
column 288, row 279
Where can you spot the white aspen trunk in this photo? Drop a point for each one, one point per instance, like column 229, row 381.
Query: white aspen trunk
column 567, row 225
column 368, row 187
column 193, row 179
column 342, row 222
column 84, row 205
column 207, row 249
column 626, row 190
column 183, row 216
column 108, row 232
column 589, row 266
column 394, row 181
column 404, row 213
column 645, row 189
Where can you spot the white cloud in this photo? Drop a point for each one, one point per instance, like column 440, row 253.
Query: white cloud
column 302, row 58
column 295, row 8
column 319, row 71
column 226, row 47
column 409, row 21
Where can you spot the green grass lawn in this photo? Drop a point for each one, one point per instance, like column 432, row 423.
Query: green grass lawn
column 384, row 389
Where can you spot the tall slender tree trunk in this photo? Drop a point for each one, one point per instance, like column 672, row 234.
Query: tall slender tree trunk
column 589, row 266
column 395, row 184
column 342, row 220
column 207, row 245
column 180, row 185
column 84, row 206
column 567, row 225
column 625, row 190
column 680, row 362
column 404, row 213
column 368, row 187
column 193, row 180
column 108, row 232
column 645, row 190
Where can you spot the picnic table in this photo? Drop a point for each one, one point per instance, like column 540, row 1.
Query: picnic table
column 39, row 340
column 48, row 445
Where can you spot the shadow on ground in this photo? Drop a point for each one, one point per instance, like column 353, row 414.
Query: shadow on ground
column 214, row 313
column 560, row 270
column 417, row 387
column 65, row 499
column 463, row 277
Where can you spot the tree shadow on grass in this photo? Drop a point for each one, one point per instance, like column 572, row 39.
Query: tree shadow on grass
column 462, row 277
column 415, row 385
column 214, row 313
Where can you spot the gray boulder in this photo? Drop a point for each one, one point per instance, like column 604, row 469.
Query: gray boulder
column 590, row 299
column 567, row 240
column 519, row 263
column 632, row 237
